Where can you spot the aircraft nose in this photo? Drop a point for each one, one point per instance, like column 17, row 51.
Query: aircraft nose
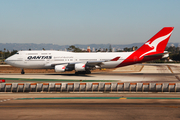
column 6, row 61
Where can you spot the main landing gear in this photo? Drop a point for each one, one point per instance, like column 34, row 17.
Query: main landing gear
column 22, row 71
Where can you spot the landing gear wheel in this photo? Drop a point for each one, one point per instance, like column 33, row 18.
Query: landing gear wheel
column 22, row 71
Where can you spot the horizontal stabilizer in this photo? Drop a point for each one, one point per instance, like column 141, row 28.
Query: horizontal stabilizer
column 157, row 55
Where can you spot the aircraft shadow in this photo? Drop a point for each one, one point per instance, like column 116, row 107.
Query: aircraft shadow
column 81, row 75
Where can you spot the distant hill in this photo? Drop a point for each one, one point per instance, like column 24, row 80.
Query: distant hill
column 33, row 46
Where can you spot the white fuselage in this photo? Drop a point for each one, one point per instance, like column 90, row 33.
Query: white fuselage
column 45, row 59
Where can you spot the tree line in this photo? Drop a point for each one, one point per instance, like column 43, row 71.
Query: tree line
column 6, row 53
column 174, row 53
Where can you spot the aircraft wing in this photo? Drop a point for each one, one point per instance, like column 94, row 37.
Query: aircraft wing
column 93, row 63
column 65, row 64
column 101, row 62
column 90, row 63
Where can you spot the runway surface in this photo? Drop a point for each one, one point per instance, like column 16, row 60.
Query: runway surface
column 133, row 73
column 89, row 108
column 94, row 77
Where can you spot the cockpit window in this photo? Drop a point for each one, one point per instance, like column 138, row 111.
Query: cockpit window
column 17, row 53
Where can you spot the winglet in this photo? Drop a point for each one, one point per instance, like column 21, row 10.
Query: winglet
column 115, row 59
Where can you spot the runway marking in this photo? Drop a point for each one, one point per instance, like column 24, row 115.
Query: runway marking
column 170, row 69
column 141, row 68
column 177, row 78
column 5, row 100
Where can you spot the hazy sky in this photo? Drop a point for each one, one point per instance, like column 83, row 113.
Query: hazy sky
column 67, row 22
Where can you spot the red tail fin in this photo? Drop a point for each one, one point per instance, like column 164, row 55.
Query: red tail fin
column 157, row 43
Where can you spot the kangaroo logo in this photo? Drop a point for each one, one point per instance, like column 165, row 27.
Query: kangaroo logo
column 155, row 43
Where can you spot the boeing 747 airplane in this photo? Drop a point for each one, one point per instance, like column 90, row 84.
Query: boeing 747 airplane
column 83, row 63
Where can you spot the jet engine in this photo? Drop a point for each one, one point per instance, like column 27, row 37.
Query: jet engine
column 80, row 67
column 60, row 68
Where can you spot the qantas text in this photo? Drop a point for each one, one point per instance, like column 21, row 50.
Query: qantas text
column 39, row 57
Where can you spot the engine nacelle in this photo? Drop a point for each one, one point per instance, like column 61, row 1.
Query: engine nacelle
column 80, row 67
column 60, row 68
